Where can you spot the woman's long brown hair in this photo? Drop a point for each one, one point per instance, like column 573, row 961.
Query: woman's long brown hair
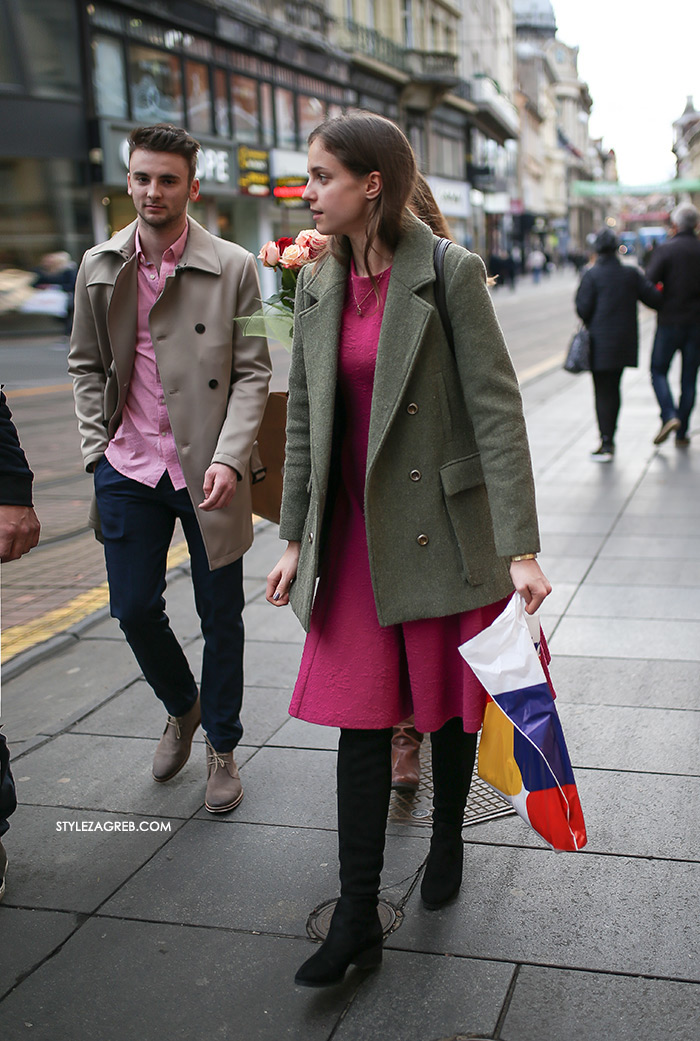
column 364, row 142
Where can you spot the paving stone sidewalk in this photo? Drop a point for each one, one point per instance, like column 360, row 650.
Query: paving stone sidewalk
column 195, row 932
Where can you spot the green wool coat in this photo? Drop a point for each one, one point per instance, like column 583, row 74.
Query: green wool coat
column 449, row 492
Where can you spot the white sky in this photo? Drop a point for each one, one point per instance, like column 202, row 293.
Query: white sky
column 640, row 59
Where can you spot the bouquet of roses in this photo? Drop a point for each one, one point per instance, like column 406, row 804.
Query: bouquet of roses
column 275, row 318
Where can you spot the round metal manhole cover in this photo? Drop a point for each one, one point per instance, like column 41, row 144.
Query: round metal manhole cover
column 319, row 920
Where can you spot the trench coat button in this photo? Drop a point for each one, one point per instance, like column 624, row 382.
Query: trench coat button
column 213, row 384
column 412, row 408
column 199, row 328
column 422, row 540
column 311, row 536
column 415, row 475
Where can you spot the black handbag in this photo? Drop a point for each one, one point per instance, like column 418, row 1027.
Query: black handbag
column 578, row 358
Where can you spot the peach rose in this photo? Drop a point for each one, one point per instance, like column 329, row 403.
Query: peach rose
column 312, row 241
column 269, row 254
column 295, row 256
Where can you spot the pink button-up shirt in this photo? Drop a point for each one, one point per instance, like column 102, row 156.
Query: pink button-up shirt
column 143, row 447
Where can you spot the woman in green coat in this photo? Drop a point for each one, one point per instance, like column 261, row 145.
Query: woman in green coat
column 408, row 493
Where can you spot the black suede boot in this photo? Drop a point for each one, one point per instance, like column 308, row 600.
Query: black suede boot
column 453, row 754
column 364, row 787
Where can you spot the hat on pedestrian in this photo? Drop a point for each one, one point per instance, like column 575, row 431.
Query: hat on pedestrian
column 606, row 241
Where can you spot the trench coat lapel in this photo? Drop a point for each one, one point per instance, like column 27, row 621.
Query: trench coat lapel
column 406, row 316
column 122, row 306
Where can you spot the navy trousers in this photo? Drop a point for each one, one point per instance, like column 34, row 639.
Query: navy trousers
column 137, row 526
column 668, row 340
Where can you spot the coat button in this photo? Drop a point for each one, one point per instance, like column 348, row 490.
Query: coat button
column 199, row 328
column 422, row 540
column 412, row 408
column 213, row 384
column 415, row 475
column 311, row 536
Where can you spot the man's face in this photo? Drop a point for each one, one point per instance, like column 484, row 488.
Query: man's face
column 159, row 184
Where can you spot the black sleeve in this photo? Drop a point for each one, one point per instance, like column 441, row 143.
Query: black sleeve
column 648, row 293
column 15, row 476
column 585, row 298
column 655, row 267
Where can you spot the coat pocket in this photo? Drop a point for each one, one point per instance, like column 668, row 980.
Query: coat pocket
column 468, row 509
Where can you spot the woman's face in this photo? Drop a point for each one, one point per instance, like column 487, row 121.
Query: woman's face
column 339, row 201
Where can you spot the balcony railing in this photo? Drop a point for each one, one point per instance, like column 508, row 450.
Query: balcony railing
column 433, row 66
column 352, row 36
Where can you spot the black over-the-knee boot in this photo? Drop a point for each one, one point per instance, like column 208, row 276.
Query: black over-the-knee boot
column 364, row 788
column 453, row 754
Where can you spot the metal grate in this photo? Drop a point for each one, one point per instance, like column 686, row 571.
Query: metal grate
column 417, row 807
column 319, row 920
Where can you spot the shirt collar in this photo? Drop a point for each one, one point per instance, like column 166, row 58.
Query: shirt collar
column 172, row 253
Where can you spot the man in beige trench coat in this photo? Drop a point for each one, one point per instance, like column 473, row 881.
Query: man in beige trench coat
column 169, row 396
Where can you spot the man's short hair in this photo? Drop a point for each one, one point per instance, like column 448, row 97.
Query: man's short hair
column 685, row 217
column 164, row 137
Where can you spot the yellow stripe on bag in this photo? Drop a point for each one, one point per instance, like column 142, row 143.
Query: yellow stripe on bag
column 497, row 765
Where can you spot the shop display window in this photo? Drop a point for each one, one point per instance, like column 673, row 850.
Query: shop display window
column 267, row 115
column 286, row 123
column 198, row 97
column 48, row 30
column 156, row 86
column 109, row 77
column 312, row 111
column 246, row 117
column 222, row 119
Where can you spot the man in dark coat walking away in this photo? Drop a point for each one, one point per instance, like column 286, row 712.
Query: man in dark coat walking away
column 676, row 264
column 606, row 302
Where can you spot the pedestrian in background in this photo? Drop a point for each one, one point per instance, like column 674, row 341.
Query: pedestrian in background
column 676, row 265
column 19, row 532
column 169, row 395
column 408, row 490
column 606, row 302
column 536, row 263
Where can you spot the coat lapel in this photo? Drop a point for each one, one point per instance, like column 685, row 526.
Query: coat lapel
column 320, row 328
column 406, row 316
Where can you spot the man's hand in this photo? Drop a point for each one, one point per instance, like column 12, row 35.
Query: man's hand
column 19, row 531
column 220, row 483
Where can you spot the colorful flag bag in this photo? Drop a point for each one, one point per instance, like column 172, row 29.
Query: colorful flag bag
column 522, row 752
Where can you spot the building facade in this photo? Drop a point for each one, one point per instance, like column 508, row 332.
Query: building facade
column 556, row 148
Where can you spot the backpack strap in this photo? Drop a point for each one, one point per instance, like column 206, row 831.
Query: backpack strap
column 441, row 247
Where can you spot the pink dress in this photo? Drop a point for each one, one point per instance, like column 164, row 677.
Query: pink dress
column 355, row 673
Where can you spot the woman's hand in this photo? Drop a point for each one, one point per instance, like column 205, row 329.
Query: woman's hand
column 280, row 579
column 531, row 582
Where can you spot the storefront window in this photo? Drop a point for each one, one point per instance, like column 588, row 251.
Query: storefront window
column 109, row 77
column 222, row 120
column 267, row 113
column 447, row 156
column 44, row 207
column 9, row 71
column 49, row 30
column 198, row 97
column 311, row 113
column 246, row 120
column 156, row 86
column 286, row 125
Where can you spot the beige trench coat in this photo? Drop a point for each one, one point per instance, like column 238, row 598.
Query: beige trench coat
column 449, row 490
column 215, row 380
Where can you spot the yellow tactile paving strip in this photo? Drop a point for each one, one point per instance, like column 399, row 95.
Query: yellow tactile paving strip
column 20, row 638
